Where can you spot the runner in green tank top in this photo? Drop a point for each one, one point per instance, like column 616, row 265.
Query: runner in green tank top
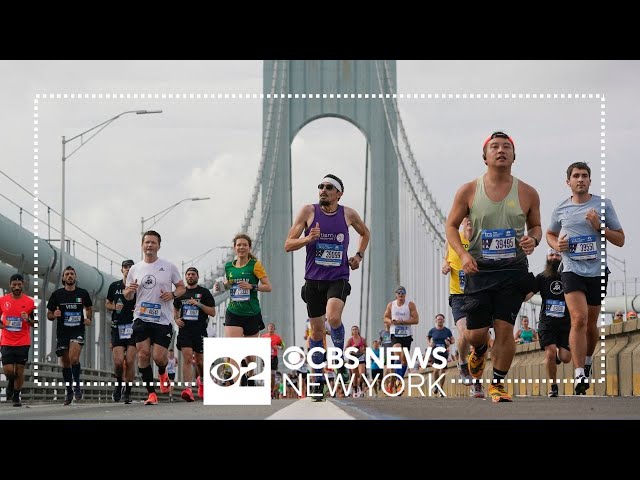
column 496, row 266
column 245, row 277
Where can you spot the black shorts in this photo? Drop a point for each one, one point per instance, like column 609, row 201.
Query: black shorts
column 172, row 376
column 573, row 282
column 376, row 371
column 274, row 364
column 250, row 324
column 316, row 294
column 191, row 338
column 456, row 302
column 73, row 334
column 158, row 333
column 117, row 332
column 403, row 341
column 501, row 300
column 18, row 355
column 554, row 331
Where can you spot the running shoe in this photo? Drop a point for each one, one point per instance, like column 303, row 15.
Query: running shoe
column 498, row 393
column 476, row 365
column 152, row 399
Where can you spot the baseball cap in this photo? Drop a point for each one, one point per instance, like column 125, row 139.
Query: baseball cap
column 128, row 263
column 631, row 315
column 552, row 251
column 401, row 290
column 192, row 269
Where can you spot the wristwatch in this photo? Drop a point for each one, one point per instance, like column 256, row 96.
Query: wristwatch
column 360, row 255
column 537, row 241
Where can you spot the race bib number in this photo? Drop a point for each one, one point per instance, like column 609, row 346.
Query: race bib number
column 462, row 278
column 498, row 244
column 125, row 331
column 190, row 313
column 329, row 254
column 150, row 312
column 239, row 294
column 583, row 247
column 554, row 308
column 14, row 324
column 71, row 319
column 401, row 330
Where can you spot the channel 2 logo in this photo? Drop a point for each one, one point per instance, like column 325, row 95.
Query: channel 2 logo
column 237, row 371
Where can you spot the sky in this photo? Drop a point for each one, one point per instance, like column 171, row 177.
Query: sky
column 141, row 165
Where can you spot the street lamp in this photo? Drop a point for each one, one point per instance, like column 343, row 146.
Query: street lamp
column 624, row 273
column 161, row 212
column 83, row 142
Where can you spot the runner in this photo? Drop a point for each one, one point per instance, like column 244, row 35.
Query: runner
column 72, row 309
column 326, row 239
column 575, row 231
column 192, row 311
column 122, row 342
column 496, row 267
column 17, row 318
column 150, row 282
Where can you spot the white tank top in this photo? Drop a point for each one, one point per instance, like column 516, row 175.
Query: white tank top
column 400, row 313
column 171, row 365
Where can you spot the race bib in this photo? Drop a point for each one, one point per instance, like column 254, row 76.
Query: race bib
column 498, row 244
column 14, row 324
column 554, row 308
column 329, row 254
column 190, row 312
column 401, row 330
column 239, row 294
column 583, row 247
column 150, row 312
column 72, row 319
column 125, row 331
column 462, row 278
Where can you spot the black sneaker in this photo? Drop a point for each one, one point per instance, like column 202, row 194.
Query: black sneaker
column 17, row 402
column 127, row 398
column 581, row 385
column 554, row 390
column 68, row 398
column 587, row 371
column 117, row 394
column 317, row 395
column 78, row 393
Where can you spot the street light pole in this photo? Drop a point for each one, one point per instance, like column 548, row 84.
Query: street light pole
column 165, row 211
column 100, row 127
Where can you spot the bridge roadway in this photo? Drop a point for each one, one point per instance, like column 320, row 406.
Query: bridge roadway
column 382, row 408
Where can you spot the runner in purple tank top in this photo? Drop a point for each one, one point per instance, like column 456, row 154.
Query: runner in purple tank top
column 326, row 238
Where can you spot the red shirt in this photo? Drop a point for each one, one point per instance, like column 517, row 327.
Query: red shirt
column 275, row 341
column 16, row 332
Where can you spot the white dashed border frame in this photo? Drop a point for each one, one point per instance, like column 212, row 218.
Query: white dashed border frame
column 261, row 96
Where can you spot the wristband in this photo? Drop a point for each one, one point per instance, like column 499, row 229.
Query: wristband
column 537, row 241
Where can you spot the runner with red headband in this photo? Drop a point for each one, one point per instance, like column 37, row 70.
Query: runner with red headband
column 499, row 206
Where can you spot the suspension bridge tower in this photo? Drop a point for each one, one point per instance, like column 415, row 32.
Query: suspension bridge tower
column 314, row 85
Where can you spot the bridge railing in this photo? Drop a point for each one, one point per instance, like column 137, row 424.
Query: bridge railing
column 621, row 358
column 95, row 385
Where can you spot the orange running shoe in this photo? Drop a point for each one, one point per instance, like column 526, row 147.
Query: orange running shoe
column 476, row 364
column 165, row 386
column 187, row 395
column 200, row 388
column 498, row 393
column 152, row 399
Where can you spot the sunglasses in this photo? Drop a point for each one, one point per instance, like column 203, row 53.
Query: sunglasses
column 401, row 292
column 327, row 186
column 618, row 315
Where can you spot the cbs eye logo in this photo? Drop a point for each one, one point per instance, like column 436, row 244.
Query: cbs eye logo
column 226, row 371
